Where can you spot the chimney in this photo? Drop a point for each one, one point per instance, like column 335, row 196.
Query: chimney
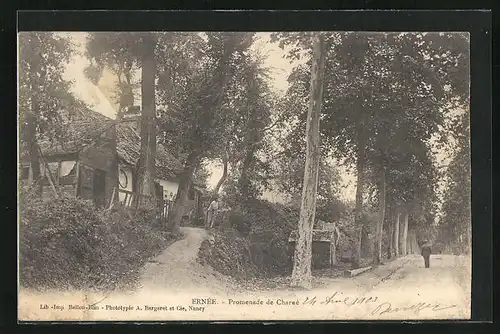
column 132, row 117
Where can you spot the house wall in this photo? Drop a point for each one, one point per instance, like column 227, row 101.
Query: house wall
column 101, row 154
column 169, row 189
column 63, row 170
column 125, row 178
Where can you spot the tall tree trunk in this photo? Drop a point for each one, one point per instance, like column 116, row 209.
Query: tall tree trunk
column 377, row 256
column 181, row 198
column 244, row 182
column 32, row 124
column 146, row 164
column 251, row 142
column 390, row 250
column 396, row 233
column 412, row 242
column 34, row 154
column 223, row 177
column 404, row 235
column 333, row 250
column 358, row 213
column 365, row 246
column 469, row 237
column 301, row 274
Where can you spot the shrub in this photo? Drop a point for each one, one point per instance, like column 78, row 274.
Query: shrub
column 67, row 243
column 257, row 243
column 229, row 253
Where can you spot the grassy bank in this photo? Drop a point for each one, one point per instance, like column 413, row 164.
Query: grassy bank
column 254, row 243
column 66, row 243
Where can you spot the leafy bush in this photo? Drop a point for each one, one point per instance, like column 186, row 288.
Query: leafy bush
column 257, row 243
column 67, row 243
column 229, row 253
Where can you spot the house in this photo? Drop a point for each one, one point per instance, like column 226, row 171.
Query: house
column 168, row 167
column 83, row 163
column 98, row 156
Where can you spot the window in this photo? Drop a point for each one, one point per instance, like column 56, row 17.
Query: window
column 67, row 168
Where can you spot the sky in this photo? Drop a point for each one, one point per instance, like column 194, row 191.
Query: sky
column 100, row 97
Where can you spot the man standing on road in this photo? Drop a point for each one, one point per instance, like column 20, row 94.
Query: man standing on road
column 212, row 210
column 426, row 253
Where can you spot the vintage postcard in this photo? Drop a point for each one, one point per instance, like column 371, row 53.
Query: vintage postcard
column 235, row 176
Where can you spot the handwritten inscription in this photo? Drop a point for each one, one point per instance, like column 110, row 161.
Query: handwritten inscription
column 339, row 298
column 386, row 308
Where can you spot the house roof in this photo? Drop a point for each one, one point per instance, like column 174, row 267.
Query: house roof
column 129, row 148
column 80, row 128
column 84, row 125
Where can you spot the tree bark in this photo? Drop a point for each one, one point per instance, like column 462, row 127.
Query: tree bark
column 377, row 256
column 365, row 246
column 404, row 236
column 333, row 251
column 396, row 234
column 252, row 141
column 390, row 250
column 412, row 242
column 179, row 206
column 469, row 236
column 301, row 274
column 33, row 152
column 244, row 182
column 146, row 164
column 358, row 213
column 223, row 177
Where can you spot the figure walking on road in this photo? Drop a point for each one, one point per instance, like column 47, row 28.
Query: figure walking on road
column 212, row 210
column 426, row 253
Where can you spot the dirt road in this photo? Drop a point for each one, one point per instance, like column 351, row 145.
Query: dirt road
column 401, row 289
column 177, row 269
column 173, row 283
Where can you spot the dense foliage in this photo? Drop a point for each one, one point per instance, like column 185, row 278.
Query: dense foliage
column 455, row 226
column 43, row 92
column 65, row 243
column 256, row 244
column 387, row 102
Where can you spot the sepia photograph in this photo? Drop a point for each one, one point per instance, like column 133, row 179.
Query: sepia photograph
column 241, row 176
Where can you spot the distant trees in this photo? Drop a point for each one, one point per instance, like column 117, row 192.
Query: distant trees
column 387, row 113
column 455, row 226
column 385, row 104
column 43, row 91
